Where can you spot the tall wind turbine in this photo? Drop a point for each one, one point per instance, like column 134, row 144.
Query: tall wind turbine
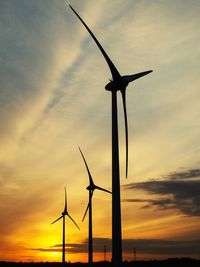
column 118, row 83
column 91, row 189
column 64, row 213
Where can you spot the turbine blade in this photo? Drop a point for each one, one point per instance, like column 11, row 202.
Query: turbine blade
column 89, row 174
column 73, row 221
column 65, row 200
column 57, row 219
column 130, row 78
column 102, row 189
column 87, row 206
column 123, row 92
column 86, row 211
column 114, row 71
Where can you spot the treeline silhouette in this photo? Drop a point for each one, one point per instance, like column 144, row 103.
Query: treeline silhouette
column 174, row 262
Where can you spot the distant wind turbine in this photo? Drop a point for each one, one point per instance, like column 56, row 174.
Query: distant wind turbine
column 118, row 83
column 91, row 189
column 65, row 213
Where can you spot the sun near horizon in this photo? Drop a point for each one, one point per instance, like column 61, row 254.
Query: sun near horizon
column 53, row 99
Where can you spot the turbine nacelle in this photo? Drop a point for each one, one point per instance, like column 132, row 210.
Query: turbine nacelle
column 119, row 85
column 91, row 187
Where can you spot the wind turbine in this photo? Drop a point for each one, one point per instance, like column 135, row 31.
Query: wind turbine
column 118, row 83
column 64, row 213
column 91, row 189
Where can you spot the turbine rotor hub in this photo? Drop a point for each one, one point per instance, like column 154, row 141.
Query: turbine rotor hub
column 90, row 187
column 119, row 85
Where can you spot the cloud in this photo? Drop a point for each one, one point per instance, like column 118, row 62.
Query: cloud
column 179, row 191
column 193, row 173
column 98, row 244
column 6, row 173
column 53, row 99
column 34, row 55
column 146, row 246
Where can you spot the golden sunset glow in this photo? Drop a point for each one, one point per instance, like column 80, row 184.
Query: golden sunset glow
column 53, row 100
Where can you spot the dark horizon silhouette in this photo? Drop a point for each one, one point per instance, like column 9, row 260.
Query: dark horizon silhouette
column 53, row 76
column 170, row 262
column 118, row 83
column 65, row 213
column 91, row 189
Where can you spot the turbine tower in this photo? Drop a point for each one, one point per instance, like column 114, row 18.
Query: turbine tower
column 118, row 83
column 64, row 213
column 91, row 189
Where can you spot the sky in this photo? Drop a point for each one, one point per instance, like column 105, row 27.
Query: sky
column 52, row 100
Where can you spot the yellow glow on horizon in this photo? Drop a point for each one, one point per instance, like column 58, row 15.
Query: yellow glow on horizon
column 54, row 253
column 54, row 100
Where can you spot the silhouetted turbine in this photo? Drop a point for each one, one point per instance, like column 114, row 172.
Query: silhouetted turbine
column 118, row 83
column 91, row 189
column 64, row 213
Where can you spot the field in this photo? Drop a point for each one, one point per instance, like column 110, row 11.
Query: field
column 183, row 262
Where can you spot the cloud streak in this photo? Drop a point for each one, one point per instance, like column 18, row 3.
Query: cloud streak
column 144, row 246
column 178, row 190
column 53, row 99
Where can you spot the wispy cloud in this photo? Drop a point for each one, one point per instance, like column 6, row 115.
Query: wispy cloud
column 53, row 99
column 179, row 191
column 144, row 246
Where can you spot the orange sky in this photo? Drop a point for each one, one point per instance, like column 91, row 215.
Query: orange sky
column 53, row 100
